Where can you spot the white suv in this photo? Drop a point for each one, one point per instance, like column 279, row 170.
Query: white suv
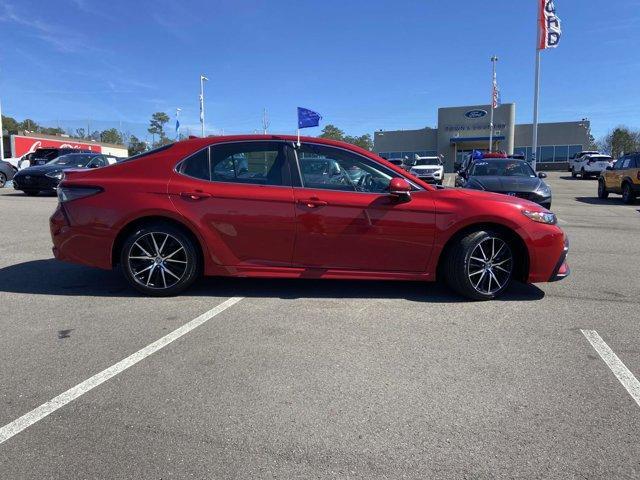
column 427, row 169
column 590, row 165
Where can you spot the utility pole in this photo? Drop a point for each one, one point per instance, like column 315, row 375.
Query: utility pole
column 1, row 135
column 494, row 100
column 202, row 80
column 265, row 120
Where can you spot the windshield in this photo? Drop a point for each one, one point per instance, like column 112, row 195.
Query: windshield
column 502, row 168
column 73, row 160
column 426, row 161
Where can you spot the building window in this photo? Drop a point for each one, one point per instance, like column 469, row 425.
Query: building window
column 573, row 149
column 561, row 153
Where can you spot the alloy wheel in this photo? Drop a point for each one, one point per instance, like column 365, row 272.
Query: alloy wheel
column 158, row 260
column 490, row 266
column 3, row 180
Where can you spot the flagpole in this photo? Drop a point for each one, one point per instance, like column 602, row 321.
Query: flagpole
column 536, row 93
column 202, row 80
column 494, row 59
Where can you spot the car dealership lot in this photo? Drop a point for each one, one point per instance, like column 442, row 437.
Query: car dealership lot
column 324, row 379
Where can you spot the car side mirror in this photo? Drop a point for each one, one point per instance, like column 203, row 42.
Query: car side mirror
column 542, row 175
column 399, row 188
column 609, row 167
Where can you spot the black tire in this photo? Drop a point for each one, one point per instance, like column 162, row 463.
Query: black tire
column 584, row 175
column 169, row 255
column 628, row 196
column 573, row 173
column 462, row 266
column 31, row 193
column 3, row 180
column 602, row 190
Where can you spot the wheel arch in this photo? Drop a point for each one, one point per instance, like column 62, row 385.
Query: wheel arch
column 522, row 252
column 136, row 223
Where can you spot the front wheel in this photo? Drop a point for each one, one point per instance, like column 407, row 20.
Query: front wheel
column 31, row 193
column 602, row 190
column 3, row 180
column 627, row 194
column 160, row 260
column 573, row 173
column 480, row 266
column 584, row 174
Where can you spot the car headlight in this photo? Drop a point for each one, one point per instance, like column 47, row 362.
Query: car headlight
column 541, row 217
column 544, row 190
column 57, row 175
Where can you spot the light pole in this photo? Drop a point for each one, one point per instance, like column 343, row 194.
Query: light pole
column 202, row 80
column 1, row 135
column 494, row 99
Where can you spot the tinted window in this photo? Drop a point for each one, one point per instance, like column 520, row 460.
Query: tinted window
column 197, row 165
column 336, row 169
column 262, row 163
column 73, row 160
column 98, row 162
column 150, row 152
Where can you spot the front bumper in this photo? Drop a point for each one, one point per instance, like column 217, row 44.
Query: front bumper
column 562, row 269
column 430, row 177
column 35, row 182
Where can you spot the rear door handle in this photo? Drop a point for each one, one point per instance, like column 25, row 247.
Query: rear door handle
column 195, row 195
column 313, row 203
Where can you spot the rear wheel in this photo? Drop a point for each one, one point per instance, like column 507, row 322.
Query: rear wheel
column 481, row 265
column 159, row 260
column 602, row 190
column 31, row 193
column 627, row 193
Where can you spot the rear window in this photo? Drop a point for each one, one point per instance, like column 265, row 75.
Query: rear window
column 150, row 152
column 47, row 153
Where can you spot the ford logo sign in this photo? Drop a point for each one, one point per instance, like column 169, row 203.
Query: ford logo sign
column 475, row 113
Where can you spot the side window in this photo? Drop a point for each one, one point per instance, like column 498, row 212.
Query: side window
column 197, row 165
column 635, row 162
column 98, row 162
column 260, row 163
column 336, row 169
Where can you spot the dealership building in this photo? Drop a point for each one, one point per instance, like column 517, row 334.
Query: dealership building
column 461, row 130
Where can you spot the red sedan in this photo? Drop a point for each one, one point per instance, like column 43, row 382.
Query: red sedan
column 266, row 206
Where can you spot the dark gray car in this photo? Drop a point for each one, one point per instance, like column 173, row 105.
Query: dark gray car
column 509, row 176
column 7, row 171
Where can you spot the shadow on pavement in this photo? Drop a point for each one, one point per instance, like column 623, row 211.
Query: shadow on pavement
column 51, row 277
column 599, row 201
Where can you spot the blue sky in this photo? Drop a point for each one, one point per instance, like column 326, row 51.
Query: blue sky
column 364, row 65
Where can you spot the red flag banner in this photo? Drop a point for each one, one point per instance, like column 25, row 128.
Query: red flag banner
column 550, row 31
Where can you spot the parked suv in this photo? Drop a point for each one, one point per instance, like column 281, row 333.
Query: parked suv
column 623, row 178
column 428, row 169
column 577, row 156
column 43, row 156
column 589, row 165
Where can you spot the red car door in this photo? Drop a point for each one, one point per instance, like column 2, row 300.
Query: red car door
column 239, row 196
column 347, row 220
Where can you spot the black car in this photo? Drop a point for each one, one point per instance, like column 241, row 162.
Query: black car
column 7, row 171
column 510, row 176
column 33, row 180
column 42, row 156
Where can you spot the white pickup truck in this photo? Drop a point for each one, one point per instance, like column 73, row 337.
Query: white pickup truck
column 589, row 165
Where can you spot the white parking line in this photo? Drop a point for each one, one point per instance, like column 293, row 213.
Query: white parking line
column 619, row 369
column 37, row 414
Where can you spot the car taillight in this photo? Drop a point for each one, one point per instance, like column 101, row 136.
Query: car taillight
column 67, row 194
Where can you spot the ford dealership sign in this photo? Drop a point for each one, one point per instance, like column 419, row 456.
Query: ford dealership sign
column 475, row 113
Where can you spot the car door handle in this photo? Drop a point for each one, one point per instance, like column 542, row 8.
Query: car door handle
column 195, row 195
column 313, row 203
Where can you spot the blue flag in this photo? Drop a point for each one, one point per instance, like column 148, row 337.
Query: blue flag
column 177, row 125
column 308, row 118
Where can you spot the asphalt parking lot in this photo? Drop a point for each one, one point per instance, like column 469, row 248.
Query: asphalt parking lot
column 323, row 379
